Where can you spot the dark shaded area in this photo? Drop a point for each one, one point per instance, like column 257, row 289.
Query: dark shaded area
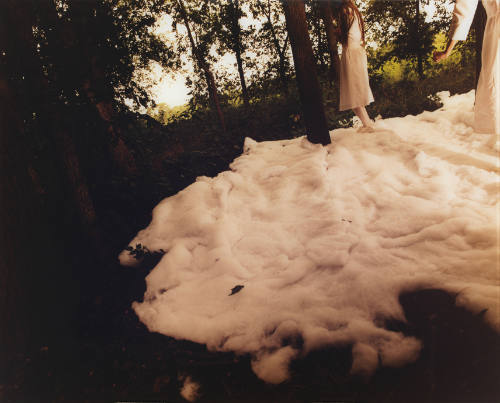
column 459, row 362
column 107, row 355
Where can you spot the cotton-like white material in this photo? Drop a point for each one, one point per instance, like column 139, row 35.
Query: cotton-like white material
column 325, row 239
column 355, row 88
column 487, row 108
column 190, row 389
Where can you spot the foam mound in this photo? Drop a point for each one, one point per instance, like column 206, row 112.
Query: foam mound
column 325, row 239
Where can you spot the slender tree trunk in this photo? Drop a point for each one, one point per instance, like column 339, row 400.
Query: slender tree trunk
column 214, row 98
column 282, row 63
column 419, row 43
column 244, row 90
column 281, row 52
column 236, row 32
column 305, row 67
column 203, row 65
column 327, row 15
column 479, row 26
column 282, row 69
column 319, row 37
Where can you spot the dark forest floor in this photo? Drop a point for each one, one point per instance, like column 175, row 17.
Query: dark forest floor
column 110, row 356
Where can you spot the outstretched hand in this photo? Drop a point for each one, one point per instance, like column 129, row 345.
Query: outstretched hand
column 438, row 56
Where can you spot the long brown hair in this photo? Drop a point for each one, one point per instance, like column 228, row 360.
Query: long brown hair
column 345, row 18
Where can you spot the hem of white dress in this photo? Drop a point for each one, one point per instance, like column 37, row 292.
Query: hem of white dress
column 485, row 130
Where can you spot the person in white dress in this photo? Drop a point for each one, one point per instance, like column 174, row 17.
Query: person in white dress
column 355, row 91
column 487, row 105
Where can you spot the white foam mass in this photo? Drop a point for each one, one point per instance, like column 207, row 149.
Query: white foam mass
column 190, row 389
column 325, row 239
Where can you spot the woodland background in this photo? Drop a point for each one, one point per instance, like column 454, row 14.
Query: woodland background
column 81, row 169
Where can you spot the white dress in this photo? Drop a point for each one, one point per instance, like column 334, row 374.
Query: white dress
column 487, row 106
column 355, row 88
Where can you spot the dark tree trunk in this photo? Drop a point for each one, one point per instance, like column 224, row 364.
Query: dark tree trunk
column 36, row 297
column 305, row 67
column 327, row 15
column 94, row 85
column 17, row 211
column 479, row 26
column 236, row 32
column 72, row 43
column 37, row 101
column 77, row 182
column 420, row 66
column 203, row 65
column 56, row 125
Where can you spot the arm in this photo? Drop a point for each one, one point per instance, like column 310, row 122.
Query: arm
column 463, row 14
column 438, row 56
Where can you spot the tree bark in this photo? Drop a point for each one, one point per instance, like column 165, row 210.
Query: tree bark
column 203, row 65
column 479, row 26
column 305, row 67
column 331, row 36
column 32, row 241
column 94, row 86
column 28, row 63
column 17, row 211
column 236, row 33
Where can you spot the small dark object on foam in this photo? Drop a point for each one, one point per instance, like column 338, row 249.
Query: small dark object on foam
column 236, row 289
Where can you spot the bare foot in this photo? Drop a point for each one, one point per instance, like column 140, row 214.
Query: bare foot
column 366, row 129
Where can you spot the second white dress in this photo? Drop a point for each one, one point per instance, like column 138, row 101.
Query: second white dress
column 487, row 106
column 355, row 88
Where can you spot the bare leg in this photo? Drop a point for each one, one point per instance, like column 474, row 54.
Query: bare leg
column 361, row 113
